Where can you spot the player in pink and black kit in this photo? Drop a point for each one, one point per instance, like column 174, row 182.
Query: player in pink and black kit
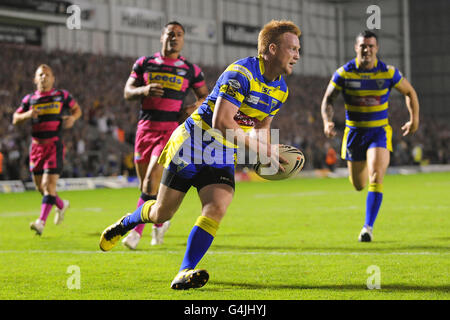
column 50, row 110
column 161, row 82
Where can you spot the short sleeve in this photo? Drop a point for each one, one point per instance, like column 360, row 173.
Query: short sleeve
column 234, row 86
column 397, row 77
column 337, row 80
column 137, row 72
column 24, row 105
column 199, row 78
column 69, row 101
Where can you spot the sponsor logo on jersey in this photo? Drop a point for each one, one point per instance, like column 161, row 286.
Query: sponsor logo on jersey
column 266, row 90
column 352, row 84
column 229, row 90
column 364, row 101
column 168, row 80
column 179, row 63
column 48, row 108
column 234, row 84
column 251, row 99
column 242, row 70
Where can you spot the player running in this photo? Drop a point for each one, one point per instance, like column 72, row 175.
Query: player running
column 247, row 95
column 366, row 83
column 50, row 111
column 161, row 82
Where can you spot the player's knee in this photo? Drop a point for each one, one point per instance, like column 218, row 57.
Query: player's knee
column 358, row 185
column 376, row 177
column 45, row 187
column 160, row 214
column 216, row 210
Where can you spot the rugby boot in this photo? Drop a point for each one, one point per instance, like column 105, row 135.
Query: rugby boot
column 158, row 233
column 59, row 214
column 190, row 278
column 131, row 241
column 112, row 234
column 366, row 234
column 37, row 226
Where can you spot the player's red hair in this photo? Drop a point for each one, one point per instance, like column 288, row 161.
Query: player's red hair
column 272, row 31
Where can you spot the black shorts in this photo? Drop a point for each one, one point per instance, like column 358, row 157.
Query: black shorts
column 206, row 176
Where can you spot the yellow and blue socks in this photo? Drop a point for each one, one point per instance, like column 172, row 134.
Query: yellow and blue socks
column 142, row 199
column 199, row 241
column 140, row 215
column 373, row 203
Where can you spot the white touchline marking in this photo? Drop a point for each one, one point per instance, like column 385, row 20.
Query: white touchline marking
column 306, row 253
column 19, row 214
column 33, row 213
column 298, row 194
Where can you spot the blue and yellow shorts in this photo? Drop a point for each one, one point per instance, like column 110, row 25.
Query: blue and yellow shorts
column 357, row 141
column 194, row 157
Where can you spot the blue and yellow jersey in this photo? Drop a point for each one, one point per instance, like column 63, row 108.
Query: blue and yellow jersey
column 243, row 84
column 366, row 92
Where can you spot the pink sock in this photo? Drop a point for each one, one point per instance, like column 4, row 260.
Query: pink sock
column 59, row 203
column 140, row 202
column 139, row 228
column 45, row 210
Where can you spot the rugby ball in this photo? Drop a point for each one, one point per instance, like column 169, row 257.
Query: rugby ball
column 296, row 161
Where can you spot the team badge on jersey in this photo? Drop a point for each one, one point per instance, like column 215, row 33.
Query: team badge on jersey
column 380, row 83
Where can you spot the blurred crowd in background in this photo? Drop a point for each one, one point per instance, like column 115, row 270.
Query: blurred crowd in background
column 101, row 142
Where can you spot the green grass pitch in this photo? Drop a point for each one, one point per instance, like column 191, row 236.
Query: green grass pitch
column 287, row 240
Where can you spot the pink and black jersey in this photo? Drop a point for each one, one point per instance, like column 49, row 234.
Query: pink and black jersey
column 52, row 105
column 176, row 76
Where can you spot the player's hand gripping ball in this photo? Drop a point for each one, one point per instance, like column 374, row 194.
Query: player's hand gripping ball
column 296, row 161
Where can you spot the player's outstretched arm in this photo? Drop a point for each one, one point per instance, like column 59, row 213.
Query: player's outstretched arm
column 133, row 91
column 327, row 110
column 412, row 103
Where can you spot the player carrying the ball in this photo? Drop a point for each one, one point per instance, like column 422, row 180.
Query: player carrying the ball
column 161, row 82
column 50, row 110
column 247, row 95
column 366, row 83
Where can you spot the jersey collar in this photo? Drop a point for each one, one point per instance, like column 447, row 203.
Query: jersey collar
column 45, row 93
column 357, row 63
